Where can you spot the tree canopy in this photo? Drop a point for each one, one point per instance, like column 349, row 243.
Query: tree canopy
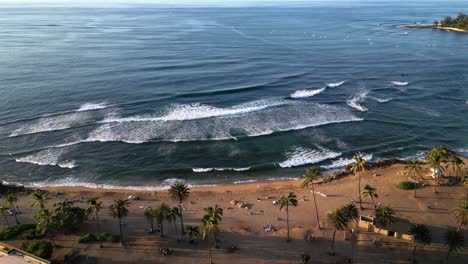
column 460, row 21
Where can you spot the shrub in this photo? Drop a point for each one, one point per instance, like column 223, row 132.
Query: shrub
column 406, row 185
column 31, row 234
column 14, row 231
column 87, row 238
column 105, row 237
column 40, row 248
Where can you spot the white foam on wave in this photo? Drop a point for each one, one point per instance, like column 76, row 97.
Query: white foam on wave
column 306, row 93
column 91, row 107
column 355, row 102
column 380, row 100
column 49, row 157
column 343, row 162
column 302, row 156
column 188, row 126
column 51, row 123
column 219, row 169
column 399, row 83
column 333, row 85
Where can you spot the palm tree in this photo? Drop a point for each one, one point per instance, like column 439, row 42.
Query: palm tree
column 461, row 214
column 310, row 176
column 457, row 164
column 358, row 167
column 434, row 159
column 119, row 210
column 383, row 218
column 94, row 208
column 40, row 199
column 286, row 201
column 350, row 212
column 370, row 192
column 160, row 213
column 213, row 214
column 172, row 215
column 4, row 208
column 421, row 235
column 180, row 192
column 338, row 220
column 45, row 223
column 209, row 230
column 455, row 242
column 192, row 233
column 149, row 215
column 10, row 201
column 414, row 168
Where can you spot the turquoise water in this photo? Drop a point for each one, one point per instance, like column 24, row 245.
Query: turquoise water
column 143, row 95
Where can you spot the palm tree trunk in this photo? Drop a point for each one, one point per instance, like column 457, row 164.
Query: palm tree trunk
column 12, row 206
column 414, row 253
column 360, row 200
column 447, row 256
column 152, row 225
column 415, row 187
column 459, row 226
column 316, row 209
column 121, row 234
column 98, row 230
column 353, row 247
column 161, row 227
column 333, row 242
column 376, row 236
column 211, row 256
column 176, row 231
column 287, row 220
column 181, row 219
column 51, row 238
column 6, row 219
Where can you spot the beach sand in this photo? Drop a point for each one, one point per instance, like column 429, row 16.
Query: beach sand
column 244, row 226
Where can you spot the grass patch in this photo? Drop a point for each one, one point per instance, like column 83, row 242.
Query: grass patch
column 40, row 248
column 104, row 237
column 31, row 234
column 14, row 231
column 406, row 185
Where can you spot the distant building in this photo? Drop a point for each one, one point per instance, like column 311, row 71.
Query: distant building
column 12, row 255
column 399, row 229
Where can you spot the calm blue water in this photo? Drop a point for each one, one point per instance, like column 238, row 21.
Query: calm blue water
column 139, row 96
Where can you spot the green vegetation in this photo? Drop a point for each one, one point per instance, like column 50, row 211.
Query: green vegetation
column 14, row 231
column 358, row 167
column 461, row 22
column 406, row 185
column 32, row 234
column 285, row 202
column 311, row 175
column 40, row 248
column 422, row 235
column 90, row 238
column 180, row 192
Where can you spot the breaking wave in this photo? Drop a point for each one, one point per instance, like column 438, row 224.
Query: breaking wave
column 332, row 85
column 306, row 93
column 91, row 106
column 399, row 83
column 355, row 102
column 219, row 169
column 303, row 156
column 380, row 100
column 343, row 162
column 51, row 157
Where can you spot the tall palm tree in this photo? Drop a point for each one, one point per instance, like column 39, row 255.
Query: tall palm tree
column 383, row 218
column 172, row 215
column 370, row 192
column 414, row 168
column 338, row 220
column 461, row 214
column 10, row 201
column 160, row 213
column 40, row 199
column 209, row 230
column 213, row 214
column 4, row 208
column 310, row 176
column 434, row 159
column 192, row 233
column 180, row 192
column 455, row 241
column 457, row 164
column 350, row 212
column 358, row 167
column 94, row 208
column 421, row 235
column 45, row 223
column 119, row 210
column 150, row 215
column 286, row 201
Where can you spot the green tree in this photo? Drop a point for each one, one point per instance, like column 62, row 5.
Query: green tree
column 161, row 212
column 45, row 223
column 210, row 227
column 192, row 233
column 421, row 235
column 358, row 167
column 435, row 23
column 338, row 220
column 150, row 215
column 119, row 210
column 4, row 208
column 40, row 199
column 180, row 192
column 350, row 212
column 172, row 215
column 434, row 159
column 10, row 201
column 68, row 217
column 311, row 175
column 414, row 168
column 370, row 192
column 285, row 202
column 94, row 207
column 383, row 218
column 461, row 214
column 455, row 241
column 457, row 165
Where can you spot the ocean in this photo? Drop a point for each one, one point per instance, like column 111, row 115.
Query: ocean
column 140, row 96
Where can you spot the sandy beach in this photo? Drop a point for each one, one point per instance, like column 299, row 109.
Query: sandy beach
column 437, row 27
column 244, row 226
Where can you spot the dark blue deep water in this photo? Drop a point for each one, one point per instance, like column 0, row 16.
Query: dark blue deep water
column 143, row 95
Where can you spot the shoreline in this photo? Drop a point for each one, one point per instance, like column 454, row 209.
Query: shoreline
column 437, row 27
